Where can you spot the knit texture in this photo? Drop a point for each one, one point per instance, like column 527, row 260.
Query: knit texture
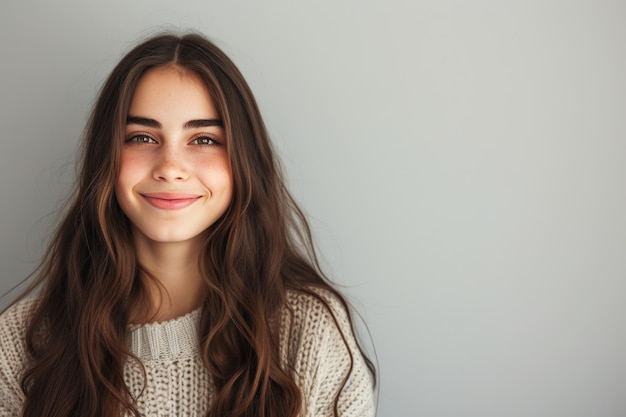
column 177, row 384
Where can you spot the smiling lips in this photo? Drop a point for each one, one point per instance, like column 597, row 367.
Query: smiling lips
column 171, row 201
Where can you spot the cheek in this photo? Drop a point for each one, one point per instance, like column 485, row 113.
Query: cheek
column 130, row 169
column 127, row 177
column 217, row 173
column 213, row 169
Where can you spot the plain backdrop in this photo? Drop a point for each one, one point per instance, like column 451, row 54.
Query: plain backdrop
column 462, row 164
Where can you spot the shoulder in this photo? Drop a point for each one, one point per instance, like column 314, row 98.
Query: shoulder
column 14, row 321
column 13, row 325
column 317, row 306
column 319, row 345
column 317, row 317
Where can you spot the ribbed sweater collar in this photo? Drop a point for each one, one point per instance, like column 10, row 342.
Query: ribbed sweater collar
column 166, row 341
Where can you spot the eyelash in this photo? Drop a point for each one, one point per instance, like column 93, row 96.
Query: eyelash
column 141, row 139
column 211, row 141
column 144, row 139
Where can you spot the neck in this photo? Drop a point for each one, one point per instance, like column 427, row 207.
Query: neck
column 178, row 288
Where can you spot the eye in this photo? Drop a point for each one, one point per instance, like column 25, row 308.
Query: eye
column 142, row 139
column 204, row 141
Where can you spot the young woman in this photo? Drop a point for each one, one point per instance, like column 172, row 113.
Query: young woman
column 182, row 280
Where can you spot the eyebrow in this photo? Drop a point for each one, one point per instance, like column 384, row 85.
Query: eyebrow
column 191, row 124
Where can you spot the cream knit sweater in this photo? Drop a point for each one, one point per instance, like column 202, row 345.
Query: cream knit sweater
column 177, row 383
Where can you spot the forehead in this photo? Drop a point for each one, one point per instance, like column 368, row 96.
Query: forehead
column 172, row 91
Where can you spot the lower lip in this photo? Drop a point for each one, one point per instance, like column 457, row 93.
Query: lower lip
column 173, row 204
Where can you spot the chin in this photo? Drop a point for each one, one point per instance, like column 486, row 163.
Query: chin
column 168, row 236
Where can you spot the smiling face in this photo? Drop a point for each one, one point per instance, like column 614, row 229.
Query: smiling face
column 174, row 179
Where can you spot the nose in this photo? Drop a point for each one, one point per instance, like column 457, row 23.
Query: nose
column 170, row 166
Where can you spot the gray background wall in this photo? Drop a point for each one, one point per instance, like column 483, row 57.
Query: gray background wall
column 462, row 164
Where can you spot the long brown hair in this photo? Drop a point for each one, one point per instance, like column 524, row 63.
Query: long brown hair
column 90, row 280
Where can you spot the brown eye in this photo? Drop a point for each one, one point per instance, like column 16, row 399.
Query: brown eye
column 204, row 140
column 143, row 139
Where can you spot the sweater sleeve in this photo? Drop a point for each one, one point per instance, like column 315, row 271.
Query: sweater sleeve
column 324, row 355
column 12, row 357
